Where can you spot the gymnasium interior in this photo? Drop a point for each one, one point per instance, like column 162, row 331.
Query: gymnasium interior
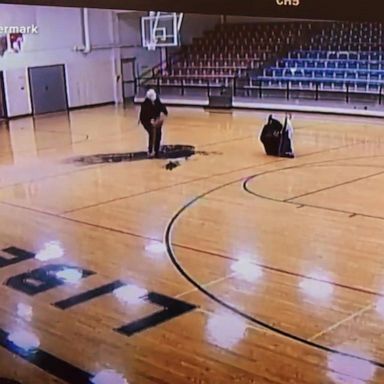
column 214, row 262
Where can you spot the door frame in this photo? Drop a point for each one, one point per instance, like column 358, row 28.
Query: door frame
column 2, row 90
column 132, row 61
column 65, row 85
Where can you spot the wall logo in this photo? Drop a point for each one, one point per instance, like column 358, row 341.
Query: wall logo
column 12, row 37
column 288, row 3
column 11, row 43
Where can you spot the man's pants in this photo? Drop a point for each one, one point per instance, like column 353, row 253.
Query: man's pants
column 154, row 137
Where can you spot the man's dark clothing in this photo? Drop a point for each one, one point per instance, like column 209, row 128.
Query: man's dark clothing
column 149, row 111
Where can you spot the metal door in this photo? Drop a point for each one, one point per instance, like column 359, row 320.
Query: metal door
column 48, row 89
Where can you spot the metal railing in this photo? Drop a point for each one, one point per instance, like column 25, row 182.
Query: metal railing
column 244, row 87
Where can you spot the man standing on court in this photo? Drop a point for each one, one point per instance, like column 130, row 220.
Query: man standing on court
column 152, row 116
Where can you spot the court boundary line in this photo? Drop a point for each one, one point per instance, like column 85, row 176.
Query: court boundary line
column 87, row 137
column 48, row 177
column 207, row 284
column 315, row 206
column 282, row 271
column 255, row 328
column 136, row 235
column 83, row 140
column 90, row 167
column 67, row 212
column 334, row 186
column 114, row 230
column 227, row 141
column 341, row 322
column 110, row 229
column 186, row 247
column 62, row 215
column 275, row 161
column 149, row 191
column 169, row 245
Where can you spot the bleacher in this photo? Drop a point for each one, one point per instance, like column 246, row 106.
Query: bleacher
column 233, row 50
column 343, row 56
column 337, row 57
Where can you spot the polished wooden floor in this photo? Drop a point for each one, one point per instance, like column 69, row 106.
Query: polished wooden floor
column 281, row 260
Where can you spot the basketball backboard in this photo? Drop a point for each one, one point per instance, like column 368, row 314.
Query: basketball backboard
column 160, row 29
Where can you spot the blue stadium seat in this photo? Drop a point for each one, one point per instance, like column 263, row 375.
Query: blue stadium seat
column 341, row 54
column 327, row 84
column 374, row 77
column 374, row 66
column 313, row 55
column 275, row 83
column 375, row 56
column 338, row 85
column 296, row 84
column 373, row 87
column 350, row 84
column 361, row 86
column 323, row 55
column 362, row 76
column 278, row 72
column 287, row 72
column 306, row 84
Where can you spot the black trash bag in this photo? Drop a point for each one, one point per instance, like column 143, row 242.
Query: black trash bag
column 277, row 138
column 271, row 136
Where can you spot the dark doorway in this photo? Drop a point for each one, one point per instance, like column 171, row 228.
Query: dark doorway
column 3, row 104
column 128, row 72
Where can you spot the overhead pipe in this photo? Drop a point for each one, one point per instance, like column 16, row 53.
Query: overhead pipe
column 87, row 38
column 86, row 47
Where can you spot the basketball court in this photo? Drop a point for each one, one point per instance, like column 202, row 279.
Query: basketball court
column 263, row 270
column 212, row 264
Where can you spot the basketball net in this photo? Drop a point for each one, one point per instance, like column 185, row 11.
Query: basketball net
column 152, row 44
